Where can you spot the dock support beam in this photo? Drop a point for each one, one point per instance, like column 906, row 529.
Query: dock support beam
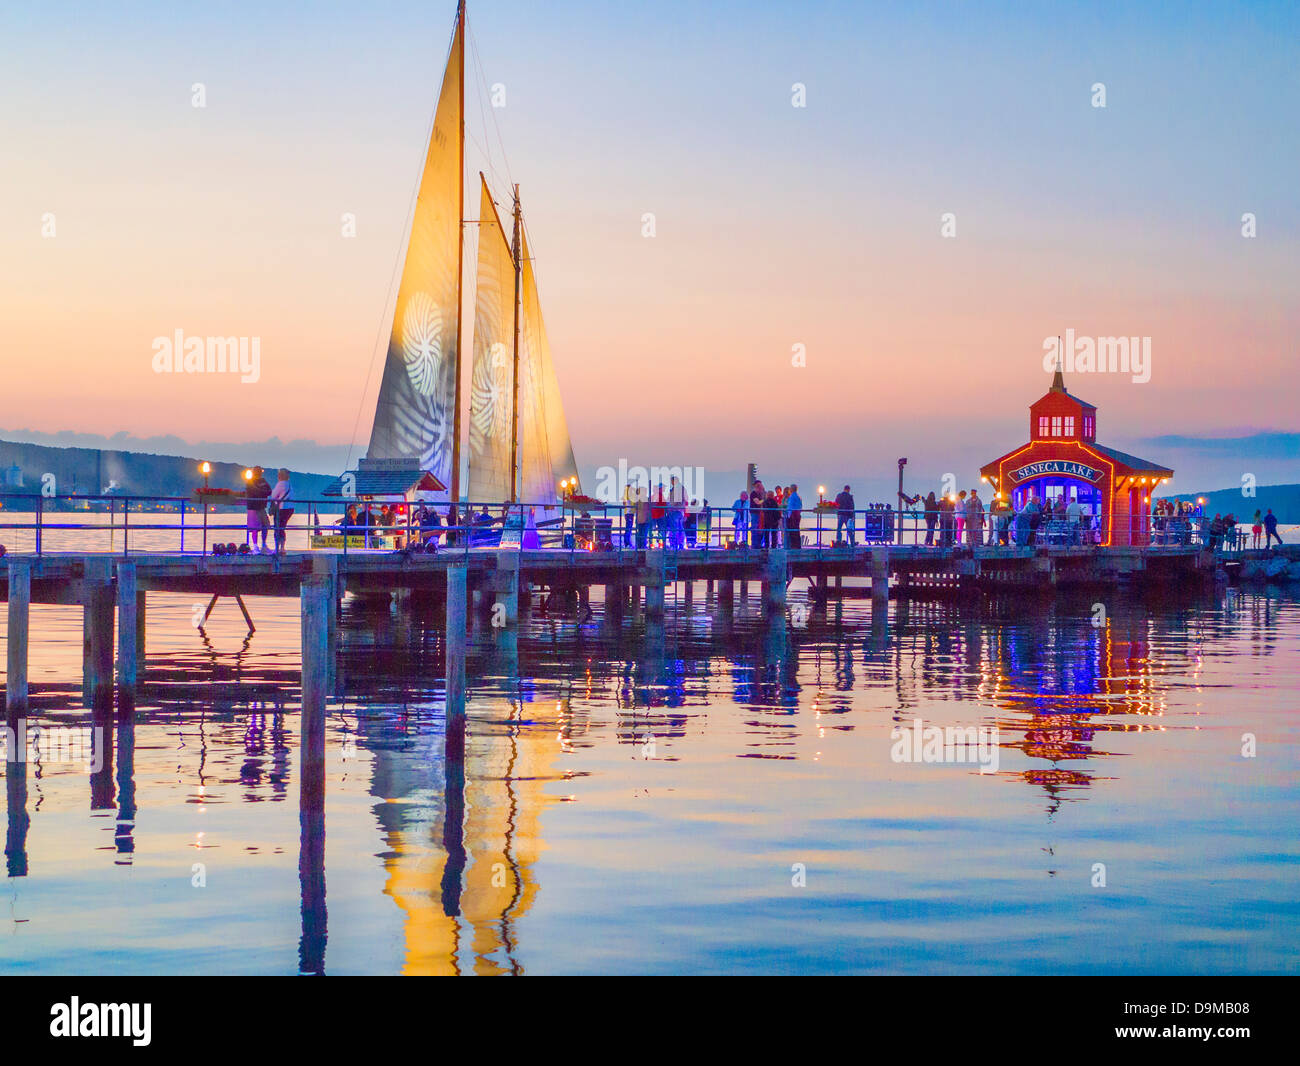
column 20, row 598
column 726, row 595
column 879, row 577
column 317, row 607
column 455, row 640
column 128, row 636
column 615, row 600
column 507, row 595
column 775, row 578
column 97, row 632
column 654, row 589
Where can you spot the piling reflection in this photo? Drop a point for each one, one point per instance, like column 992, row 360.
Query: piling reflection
column 17, row 820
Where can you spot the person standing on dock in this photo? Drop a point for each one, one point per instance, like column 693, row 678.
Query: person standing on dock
column 1034, row 511
column 1270, row 530
column 629, row 513
column 771, row 520
column 1073, row 513
column 642, row 516
column 844, row 508
column 931, row 518
column 757, row 495
column 793, row 518
column 740, row 518
column 975, row 519
column 1022, row 526
column 947, row 520
column 282, row 508
column 1001, row 512
column 259, row 490
column 1256, row 530
column 677, row 514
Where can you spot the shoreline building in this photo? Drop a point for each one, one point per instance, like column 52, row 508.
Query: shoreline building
column 1063, row 459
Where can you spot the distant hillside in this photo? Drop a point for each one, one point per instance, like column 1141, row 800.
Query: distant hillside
column 89, row 471
column 1284, row 499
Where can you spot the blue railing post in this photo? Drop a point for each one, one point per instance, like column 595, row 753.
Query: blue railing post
column 40, row 508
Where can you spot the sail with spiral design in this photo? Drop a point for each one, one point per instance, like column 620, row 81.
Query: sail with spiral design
column 492, row 370
column 416, row 411
column 417, row 415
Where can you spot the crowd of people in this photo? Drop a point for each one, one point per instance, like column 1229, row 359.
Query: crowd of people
column 763, row 518
column 665, row 517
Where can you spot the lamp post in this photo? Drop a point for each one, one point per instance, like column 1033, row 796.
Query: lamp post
column 205, row 468
column 901, row 463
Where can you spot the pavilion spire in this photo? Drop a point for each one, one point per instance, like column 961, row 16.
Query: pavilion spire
column 1058, row 379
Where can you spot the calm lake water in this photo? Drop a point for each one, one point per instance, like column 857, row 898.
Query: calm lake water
column 723, row 799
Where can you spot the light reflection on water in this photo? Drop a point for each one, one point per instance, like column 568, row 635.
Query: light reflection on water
column 637, row 803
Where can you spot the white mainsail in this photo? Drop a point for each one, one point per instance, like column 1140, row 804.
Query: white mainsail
column 417, row 410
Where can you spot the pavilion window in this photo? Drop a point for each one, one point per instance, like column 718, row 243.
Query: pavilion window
column 1056, row 425
column 1042, row 425
column 1069, row 425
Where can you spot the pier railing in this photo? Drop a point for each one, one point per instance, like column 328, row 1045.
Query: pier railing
column 121, row 524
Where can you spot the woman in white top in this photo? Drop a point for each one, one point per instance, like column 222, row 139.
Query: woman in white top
column 282, row 506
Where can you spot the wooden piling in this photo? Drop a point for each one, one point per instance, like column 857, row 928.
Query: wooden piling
column 615, row 600
column 775, row 579
column 654, row 589
column 507, row 594
column 127, row 631
column 316, row 608
column 20, row 598
column 97, row 631
column 455, row 641
column 879, row 576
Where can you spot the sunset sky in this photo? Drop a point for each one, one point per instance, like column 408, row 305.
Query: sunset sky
column 775, row 226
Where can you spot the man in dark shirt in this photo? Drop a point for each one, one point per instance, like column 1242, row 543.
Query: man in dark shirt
column 844, row 515
column 1270, row 530
column 258, row 492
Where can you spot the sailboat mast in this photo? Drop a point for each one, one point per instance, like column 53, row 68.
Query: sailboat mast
column 517, row 252
column 460, row 257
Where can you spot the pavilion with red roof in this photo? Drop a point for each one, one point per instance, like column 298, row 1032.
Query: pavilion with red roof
column 1063, row 459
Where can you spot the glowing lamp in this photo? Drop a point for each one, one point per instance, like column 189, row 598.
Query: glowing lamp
column 205, row 469
column 248, row 475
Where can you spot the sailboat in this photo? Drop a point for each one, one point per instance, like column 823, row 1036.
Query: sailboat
column 514, row 446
